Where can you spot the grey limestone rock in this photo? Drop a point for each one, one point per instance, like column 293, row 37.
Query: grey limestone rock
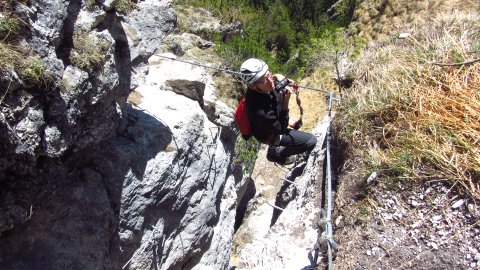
column 89, row 181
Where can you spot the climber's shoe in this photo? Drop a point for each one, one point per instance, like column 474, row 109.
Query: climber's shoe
column 286, row 160
column 302, row 157
column 273, row 156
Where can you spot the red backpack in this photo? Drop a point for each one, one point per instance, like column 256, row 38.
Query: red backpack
column 242, row 121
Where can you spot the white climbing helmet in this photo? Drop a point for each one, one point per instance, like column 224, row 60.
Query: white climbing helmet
column 252, row 70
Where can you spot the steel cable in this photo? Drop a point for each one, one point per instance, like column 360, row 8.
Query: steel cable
column 326, row 219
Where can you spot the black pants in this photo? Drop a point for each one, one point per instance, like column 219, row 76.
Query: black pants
column 293, row 142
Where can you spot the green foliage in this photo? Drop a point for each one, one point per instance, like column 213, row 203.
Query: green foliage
column 332, row 43
column 345, row 10
column 457, row 56
column 29, row 69
column 313, row 11
column 277, row 31
column 246, row 153
column 33, row 73
column 332, row 40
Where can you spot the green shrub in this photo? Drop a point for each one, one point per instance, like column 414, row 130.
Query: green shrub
column 33, row 73
column 277, row 31
column 89, row 52
column 9, row 27
column 246, row 153
column 29, row 69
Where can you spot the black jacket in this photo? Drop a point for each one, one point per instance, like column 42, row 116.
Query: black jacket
column 267, row 119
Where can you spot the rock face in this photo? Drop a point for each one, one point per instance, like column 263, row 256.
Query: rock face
column 89, row 181
column 276, row 239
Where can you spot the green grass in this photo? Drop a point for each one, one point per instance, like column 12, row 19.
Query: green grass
column 29, row 68
column 9, row 27
column 363, row 211
column 246, row 153
column 90, row 51
column 278, row 32
column 33, row 73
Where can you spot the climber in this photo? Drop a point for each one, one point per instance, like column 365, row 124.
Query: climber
column 267, row 110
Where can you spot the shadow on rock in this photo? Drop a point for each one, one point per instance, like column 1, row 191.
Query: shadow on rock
column 288, row 191
column 76, row 228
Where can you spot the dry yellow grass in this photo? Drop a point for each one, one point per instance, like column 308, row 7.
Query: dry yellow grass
column 396, row 16
column 445, row 119
column 419, row 120
column 313, row 102
column 9, row 56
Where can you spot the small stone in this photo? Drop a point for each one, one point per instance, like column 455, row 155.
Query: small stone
column 477, row 257
column 458, row 203
column 387, row 216
column 434, row 245
column 389, row 202
column 397, row 216
column 473, row 265
column 472, row 249
column 415, row 225
column 338, row 220
column 372, row 178
column 369, row 253
column 435, row 219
